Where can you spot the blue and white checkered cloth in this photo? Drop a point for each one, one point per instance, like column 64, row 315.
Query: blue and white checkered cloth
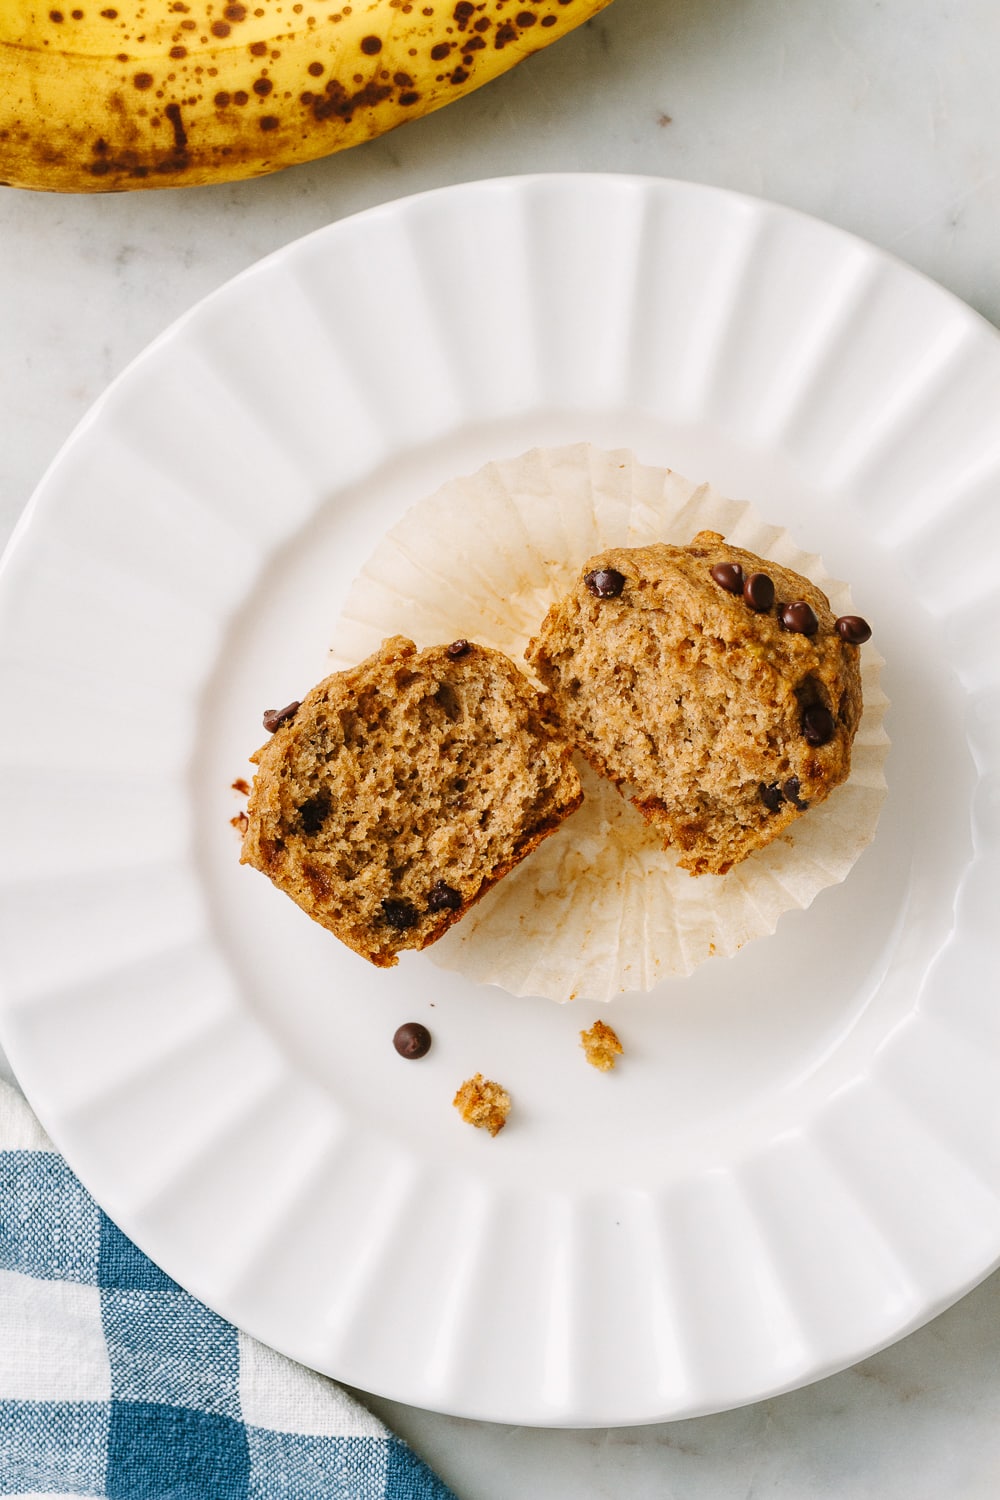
column 114, row 1382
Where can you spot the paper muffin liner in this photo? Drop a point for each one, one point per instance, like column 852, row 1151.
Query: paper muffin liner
column 599, row 909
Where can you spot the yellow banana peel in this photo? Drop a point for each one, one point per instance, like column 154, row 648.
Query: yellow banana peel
column 105, row 95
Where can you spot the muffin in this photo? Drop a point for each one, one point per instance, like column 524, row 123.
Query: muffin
column 396, row 794
column 604, row 909
column 712, row 686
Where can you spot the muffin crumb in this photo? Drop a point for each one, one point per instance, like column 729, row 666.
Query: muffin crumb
column 483, row 1103
column 601, row 1046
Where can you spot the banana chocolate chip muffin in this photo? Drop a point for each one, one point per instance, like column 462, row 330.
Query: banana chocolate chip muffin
column 715, row 689
column 396, row 794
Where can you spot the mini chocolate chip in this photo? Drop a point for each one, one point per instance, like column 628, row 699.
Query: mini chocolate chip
column 275, row 717
column 799, row 617
column 772, row 796
column 817, row 724
column 729, row 576
column 314, row 812
column 605, row 583
column 399, row 914
column 791, row 791
column 853, row 630
column 758, row 591
column 457, row 649
column 443, row 897
column 412, row 1040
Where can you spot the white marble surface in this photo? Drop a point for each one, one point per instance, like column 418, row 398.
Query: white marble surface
column 880, row 116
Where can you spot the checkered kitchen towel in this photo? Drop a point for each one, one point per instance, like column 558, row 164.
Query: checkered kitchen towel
column 114, row 1382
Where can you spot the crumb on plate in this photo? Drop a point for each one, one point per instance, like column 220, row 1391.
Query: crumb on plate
column 601, row 1046
column 483, row 1103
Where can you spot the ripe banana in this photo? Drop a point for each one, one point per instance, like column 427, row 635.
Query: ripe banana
column 101, row 95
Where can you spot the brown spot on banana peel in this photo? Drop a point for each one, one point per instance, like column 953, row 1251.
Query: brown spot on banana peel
column 173, row 114
column 207, row 120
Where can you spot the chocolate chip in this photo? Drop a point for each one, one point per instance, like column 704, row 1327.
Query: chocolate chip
column 758, row 591
column 853, row 630
column 412, row 1040
column 772, row 796
column 729, row 576
column 457, row 649
column 605, row 583
column 817, row 724
column 314, row 812
column 791, row 791
column 799, row 617
column 275, row 717
column 443, row 897
column 399, row 914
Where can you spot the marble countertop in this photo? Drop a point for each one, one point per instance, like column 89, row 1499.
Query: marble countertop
column 879, row 116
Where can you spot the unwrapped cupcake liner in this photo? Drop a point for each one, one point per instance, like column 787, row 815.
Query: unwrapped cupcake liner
column 599, row 909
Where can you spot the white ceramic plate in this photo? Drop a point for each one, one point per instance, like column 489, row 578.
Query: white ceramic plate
column 798, row 1159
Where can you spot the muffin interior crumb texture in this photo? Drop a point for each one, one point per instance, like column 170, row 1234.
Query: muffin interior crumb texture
column 483, row 1103
column 397, row 793
column 711, row 686
column 601, row 1046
